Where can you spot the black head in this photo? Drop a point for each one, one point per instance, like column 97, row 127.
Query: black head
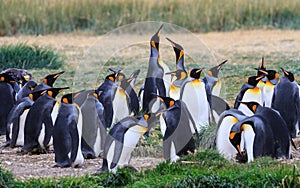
column 196, row 72
column 35, row 95
column 180, row 74
column 31, row 85
column 169, row 102
column 214, row 71
column 68, row 98
column 111, row 77
column 253, row 80
column 179, row 52
column 272, row 74
column 50, row 79
column 251, row 105
column 53, row 92
column 126, row 82
column 288, row 74
column 154, row 42
column 6, row 77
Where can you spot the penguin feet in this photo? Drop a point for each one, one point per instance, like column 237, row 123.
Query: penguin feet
column 5, row 145
column 174, row 159
column 242, row 157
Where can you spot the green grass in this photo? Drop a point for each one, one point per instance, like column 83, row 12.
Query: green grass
column 29, row 57
column 204, row 169
column 44, row 17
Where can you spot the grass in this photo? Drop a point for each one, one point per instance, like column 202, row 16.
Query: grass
column 24, row 56
column 204, row 169
column 44, row 17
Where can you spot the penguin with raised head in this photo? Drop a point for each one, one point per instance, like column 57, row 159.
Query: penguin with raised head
column 121, row 141
column 249, row 92
column 227, row 119
column 17, row 117
column 180, row 72
column 48, row 81
column 94, row 130
column 193, row 94
column 265, row 133
column 106, row 92
column 178, row 137
column 154, row 82
column 260, row 72
column 6, row 99
column 268, row 89
column 212, row 81
column 67, row 131
column 39, row 122
column 286, row 101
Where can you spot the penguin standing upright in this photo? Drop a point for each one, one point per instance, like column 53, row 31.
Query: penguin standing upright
column 106, row 92
column 286, row 101
column 268, row 89
column 212, row 82
column 39, row 122
column 249, row 92
column 154, row 82
column 6, row 100
column 265, row 133
column 121, row 141
column 93, row 131
column 180, row 73
column 227, row 120
column 178, row 137
column 193, row 94
column 67, row 132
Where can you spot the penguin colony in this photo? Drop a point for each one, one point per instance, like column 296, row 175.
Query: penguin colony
column 108, row 122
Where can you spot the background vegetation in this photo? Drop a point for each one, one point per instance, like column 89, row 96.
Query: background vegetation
column 100, row 16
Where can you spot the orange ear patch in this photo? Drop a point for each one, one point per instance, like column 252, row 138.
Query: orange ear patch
column 172, row 103
column 65, row 100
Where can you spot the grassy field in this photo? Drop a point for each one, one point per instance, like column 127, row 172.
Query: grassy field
column 56, row 16
column 87, row 58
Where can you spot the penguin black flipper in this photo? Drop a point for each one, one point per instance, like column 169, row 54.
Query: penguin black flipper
column 47, row 120
column 74, row 138
column 100, row 112
column 161, row 87
column 189, row 115
column 108, row 142
column 208, row 89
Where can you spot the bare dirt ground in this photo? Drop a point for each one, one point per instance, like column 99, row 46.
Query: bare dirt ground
column 223, row 45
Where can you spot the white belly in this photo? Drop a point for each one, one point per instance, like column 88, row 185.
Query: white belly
column 268, row 92
column 120, row 107
column 97, row 145
column 79, row 160
column 249, row 96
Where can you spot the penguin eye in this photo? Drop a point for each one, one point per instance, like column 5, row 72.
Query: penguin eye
column 65, row 100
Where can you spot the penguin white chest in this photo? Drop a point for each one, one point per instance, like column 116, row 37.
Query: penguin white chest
column 174, row 92
column 253, row 95
column 216, row 90
column 268, row 92
column 120, row 106
column 20, row 140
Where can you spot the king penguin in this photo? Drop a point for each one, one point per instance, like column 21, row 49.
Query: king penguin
column 21, row 76
column 193, row 94
column 93, row 131
column 26, row 90
column 48, row 81
column 286, row 101
column 268, row 89
column 39, row 122
column 67, row 132
column 122, row 140
column 227, row 120
column 17, row 117
column 7, row 101
column 178, row 137
column 107, row 89
column 154, row 82
column 265, row 133
column 249, row 92
column 212, row 81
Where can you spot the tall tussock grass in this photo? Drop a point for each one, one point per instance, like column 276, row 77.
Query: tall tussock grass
column 100, row 16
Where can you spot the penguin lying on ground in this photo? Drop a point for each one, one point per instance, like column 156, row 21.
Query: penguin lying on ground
column 265, row 133
column 193, row 94
column 178, row 138
column 121, row 141
column 67, row 133
column 249, row 92
column 286, row 101
column 7, row 96
column 93, row 131
column 227, row 120
column 39, row 122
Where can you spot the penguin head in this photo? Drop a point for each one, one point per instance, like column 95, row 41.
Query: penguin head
column 179, row 74
column 6, row 77
column 196, row 72
column 118, row 75
column 111, row 77
column 67, row 98
column 288, row 74
column 179, row 52
column 53, row 92
column 35, row 95
column 261, row 67
column 126, row 82
column 251, row 105
column 168, row 101
column 253, row 80
column 214, row 71
column 235, row 138
column 154, row 41
column 31, row 85
column 272, row 75
column 50, row 79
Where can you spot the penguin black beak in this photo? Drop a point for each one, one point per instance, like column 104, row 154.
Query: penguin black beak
column 58, row 74
column 172, row 43
column 159, row 30
column 284, row 71
column 172, row 73
column 221, row 64
column 262, row 71
column 199, row 70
